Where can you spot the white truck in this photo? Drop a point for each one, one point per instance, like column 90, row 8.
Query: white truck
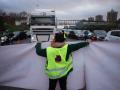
column 42, row 25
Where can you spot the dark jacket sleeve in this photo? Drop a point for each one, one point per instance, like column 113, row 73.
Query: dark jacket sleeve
column 39, row 51
column 74, row 47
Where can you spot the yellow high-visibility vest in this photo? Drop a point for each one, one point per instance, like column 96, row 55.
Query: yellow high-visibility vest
column 57, row 66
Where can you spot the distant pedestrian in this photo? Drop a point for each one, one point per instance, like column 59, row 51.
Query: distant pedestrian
column 86, row 35
column 65, row 35
column 58, row 59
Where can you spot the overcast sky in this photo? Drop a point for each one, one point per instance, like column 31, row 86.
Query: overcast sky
column 67, row 9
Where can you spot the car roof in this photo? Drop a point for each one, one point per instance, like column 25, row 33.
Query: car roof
column 114, row 30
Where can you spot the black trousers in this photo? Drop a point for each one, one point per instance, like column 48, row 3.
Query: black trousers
column 62, row 82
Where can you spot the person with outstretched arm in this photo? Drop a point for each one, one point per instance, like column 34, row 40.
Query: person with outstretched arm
column 58, row 59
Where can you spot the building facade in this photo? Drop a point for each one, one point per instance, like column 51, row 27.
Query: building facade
column 112, row 16
column 99, row 18
column 91, row 19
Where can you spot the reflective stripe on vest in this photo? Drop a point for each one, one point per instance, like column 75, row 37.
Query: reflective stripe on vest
column 55, row 69
column 64, row 35
column 62, row 73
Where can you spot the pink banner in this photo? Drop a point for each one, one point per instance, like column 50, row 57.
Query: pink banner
column 96, row 67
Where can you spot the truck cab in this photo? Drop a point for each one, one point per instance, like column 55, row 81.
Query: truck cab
column 42, row 25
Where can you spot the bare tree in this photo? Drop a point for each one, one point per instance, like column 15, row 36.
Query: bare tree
column 23, row 14
column 2, row 12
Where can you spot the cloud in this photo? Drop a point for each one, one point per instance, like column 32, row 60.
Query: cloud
column 64, row 8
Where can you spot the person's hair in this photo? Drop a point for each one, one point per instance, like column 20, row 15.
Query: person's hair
column 62, row 31
column 59, row 37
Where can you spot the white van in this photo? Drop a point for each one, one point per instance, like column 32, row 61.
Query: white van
column 113, row 35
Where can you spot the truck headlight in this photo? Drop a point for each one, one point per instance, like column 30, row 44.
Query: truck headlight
column 32, row 38
column 2, row 39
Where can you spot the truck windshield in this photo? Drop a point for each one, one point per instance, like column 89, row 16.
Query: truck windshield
column 43, row 20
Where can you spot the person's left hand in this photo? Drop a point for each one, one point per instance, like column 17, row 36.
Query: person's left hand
column 38, row 45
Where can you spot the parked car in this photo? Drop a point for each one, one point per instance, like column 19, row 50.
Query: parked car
column 5, row 38
column 72, row 35
column 19, row 36
column 87, row 34
column 113, row 35
column 79, row 34
column 28, row 34
column 100, row 34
